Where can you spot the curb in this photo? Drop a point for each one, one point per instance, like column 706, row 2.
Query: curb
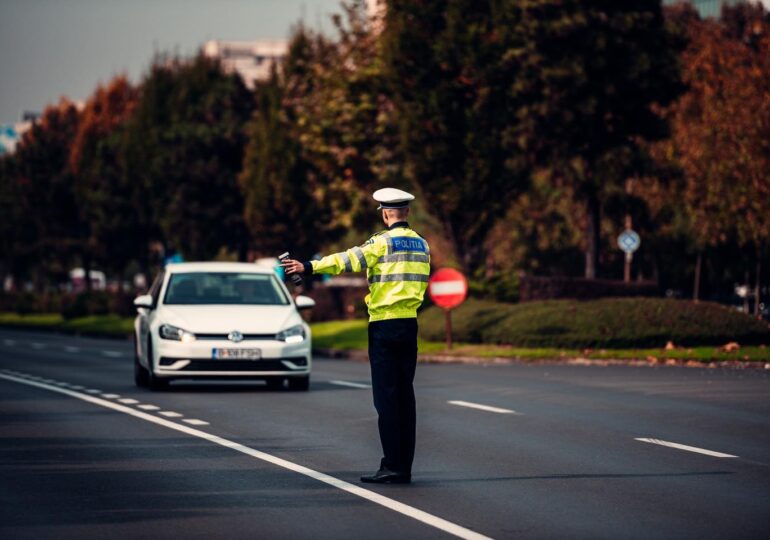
column 357, row 355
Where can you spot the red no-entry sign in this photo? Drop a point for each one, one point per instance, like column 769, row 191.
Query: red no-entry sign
column 448, row 289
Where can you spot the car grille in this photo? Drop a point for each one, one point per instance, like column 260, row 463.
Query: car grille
column 272, row 364
column 246, row 337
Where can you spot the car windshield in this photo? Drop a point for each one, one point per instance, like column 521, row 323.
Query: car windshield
column 231, row 288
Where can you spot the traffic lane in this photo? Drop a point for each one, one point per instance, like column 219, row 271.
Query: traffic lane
column 693, row 409
column 502, row 474
column 597, row 480
column 42, row 341
column 681, row 420
column 474, row 500
column 69, row 469
column 333, row 456
column 551, row 457
column 641, row 410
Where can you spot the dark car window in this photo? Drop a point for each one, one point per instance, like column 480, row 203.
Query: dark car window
column 155, row 288
column 230, row 288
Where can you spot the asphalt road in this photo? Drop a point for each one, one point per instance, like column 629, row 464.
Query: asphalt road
column 84, row 453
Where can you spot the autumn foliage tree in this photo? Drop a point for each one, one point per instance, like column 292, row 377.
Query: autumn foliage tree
column 40, row 222
column 721, row 131
column 106, row 196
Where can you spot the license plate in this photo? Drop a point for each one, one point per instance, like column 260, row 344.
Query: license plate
column 236, row 354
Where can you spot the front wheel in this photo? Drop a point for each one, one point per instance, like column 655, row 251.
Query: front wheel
column 301, row 384
column 153, row 381
column 140, row 373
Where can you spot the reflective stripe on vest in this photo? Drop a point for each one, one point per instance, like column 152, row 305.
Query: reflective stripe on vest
column 380, row 278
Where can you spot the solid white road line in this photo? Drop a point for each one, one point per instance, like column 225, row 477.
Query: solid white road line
column 195, row 422
column 70, row 348
column 148, row 407
column 685, row 447
column 392, row 504
column 482, row 407
column 111, row 396
column 171, row 414
column 128, row 401
column 112, row 354
column 351, row 384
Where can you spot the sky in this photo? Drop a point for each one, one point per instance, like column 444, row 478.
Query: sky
column 54, row 48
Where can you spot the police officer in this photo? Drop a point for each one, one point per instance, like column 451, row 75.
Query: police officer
column 397, row 264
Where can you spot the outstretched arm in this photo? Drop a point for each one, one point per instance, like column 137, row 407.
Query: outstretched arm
column 354, row 259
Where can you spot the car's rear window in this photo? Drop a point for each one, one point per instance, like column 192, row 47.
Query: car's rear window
column 231, row 288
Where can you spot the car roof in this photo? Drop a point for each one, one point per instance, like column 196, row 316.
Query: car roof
column 175, row 268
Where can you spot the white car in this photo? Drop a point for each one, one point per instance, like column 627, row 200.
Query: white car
column 221, row 320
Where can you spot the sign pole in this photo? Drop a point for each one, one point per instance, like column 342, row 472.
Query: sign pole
column 448, row 319
column 627, row 269
column 448, row 289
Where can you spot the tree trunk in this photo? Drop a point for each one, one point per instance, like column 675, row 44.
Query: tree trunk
column 746, row 298
column 758, row 282
column 87, row 270
column 592, row 236
column 696, row 285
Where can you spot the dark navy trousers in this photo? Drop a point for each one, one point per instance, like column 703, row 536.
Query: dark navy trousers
column 393, row 359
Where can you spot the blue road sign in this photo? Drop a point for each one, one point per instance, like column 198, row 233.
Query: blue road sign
column 629, row 241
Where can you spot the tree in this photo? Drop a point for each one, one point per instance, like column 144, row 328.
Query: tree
column 450, row 71
column 37, row 191
column 590, row 75
column 344, row 119
column 183, row 148
column 278, row 207
column 720, row 131
column 105, row 195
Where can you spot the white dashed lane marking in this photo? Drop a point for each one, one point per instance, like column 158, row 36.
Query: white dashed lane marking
column 678, row 446
column 195, row 422
column 93, row 391
column 111, row 396
column 170, row 414
column 128, row 401
column 369, row 495
column 351, row 384
column 70, row 348
column 112, row 354
column 148, row 407
column 9, row 342
column 481, row 407
column 37, row 346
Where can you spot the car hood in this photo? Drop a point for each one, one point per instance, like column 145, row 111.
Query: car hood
column 224, row 319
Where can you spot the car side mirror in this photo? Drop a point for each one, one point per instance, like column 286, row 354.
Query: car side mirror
column 304, row 302
column 144, row 301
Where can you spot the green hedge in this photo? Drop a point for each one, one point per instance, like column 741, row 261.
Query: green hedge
column 611, row 322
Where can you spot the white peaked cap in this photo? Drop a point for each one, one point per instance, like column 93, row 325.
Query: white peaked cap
column 392, row 198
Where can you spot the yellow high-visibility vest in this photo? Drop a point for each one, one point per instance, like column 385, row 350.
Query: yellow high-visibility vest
column 397, row 264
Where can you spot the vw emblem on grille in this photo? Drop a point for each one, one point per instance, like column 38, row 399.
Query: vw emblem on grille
column 235, row 336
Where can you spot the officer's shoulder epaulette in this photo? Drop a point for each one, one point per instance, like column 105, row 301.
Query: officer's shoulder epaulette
column 372, row 238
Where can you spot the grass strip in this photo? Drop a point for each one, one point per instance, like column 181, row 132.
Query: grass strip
column 352, row 335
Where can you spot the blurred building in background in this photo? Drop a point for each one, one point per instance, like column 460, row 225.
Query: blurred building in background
column 11, row 134
column 711, row 8
column 252, row 60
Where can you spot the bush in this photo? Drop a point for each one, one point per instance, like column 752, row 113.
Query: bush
column 86, row 303
column 611, row 322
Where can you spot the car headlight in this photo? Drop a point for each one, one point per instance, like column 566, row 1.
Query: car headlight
column 295, row 334
column 177, row 334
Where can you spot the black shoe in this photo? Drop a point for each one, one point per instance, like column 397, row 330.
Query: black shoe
column 386, row 476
